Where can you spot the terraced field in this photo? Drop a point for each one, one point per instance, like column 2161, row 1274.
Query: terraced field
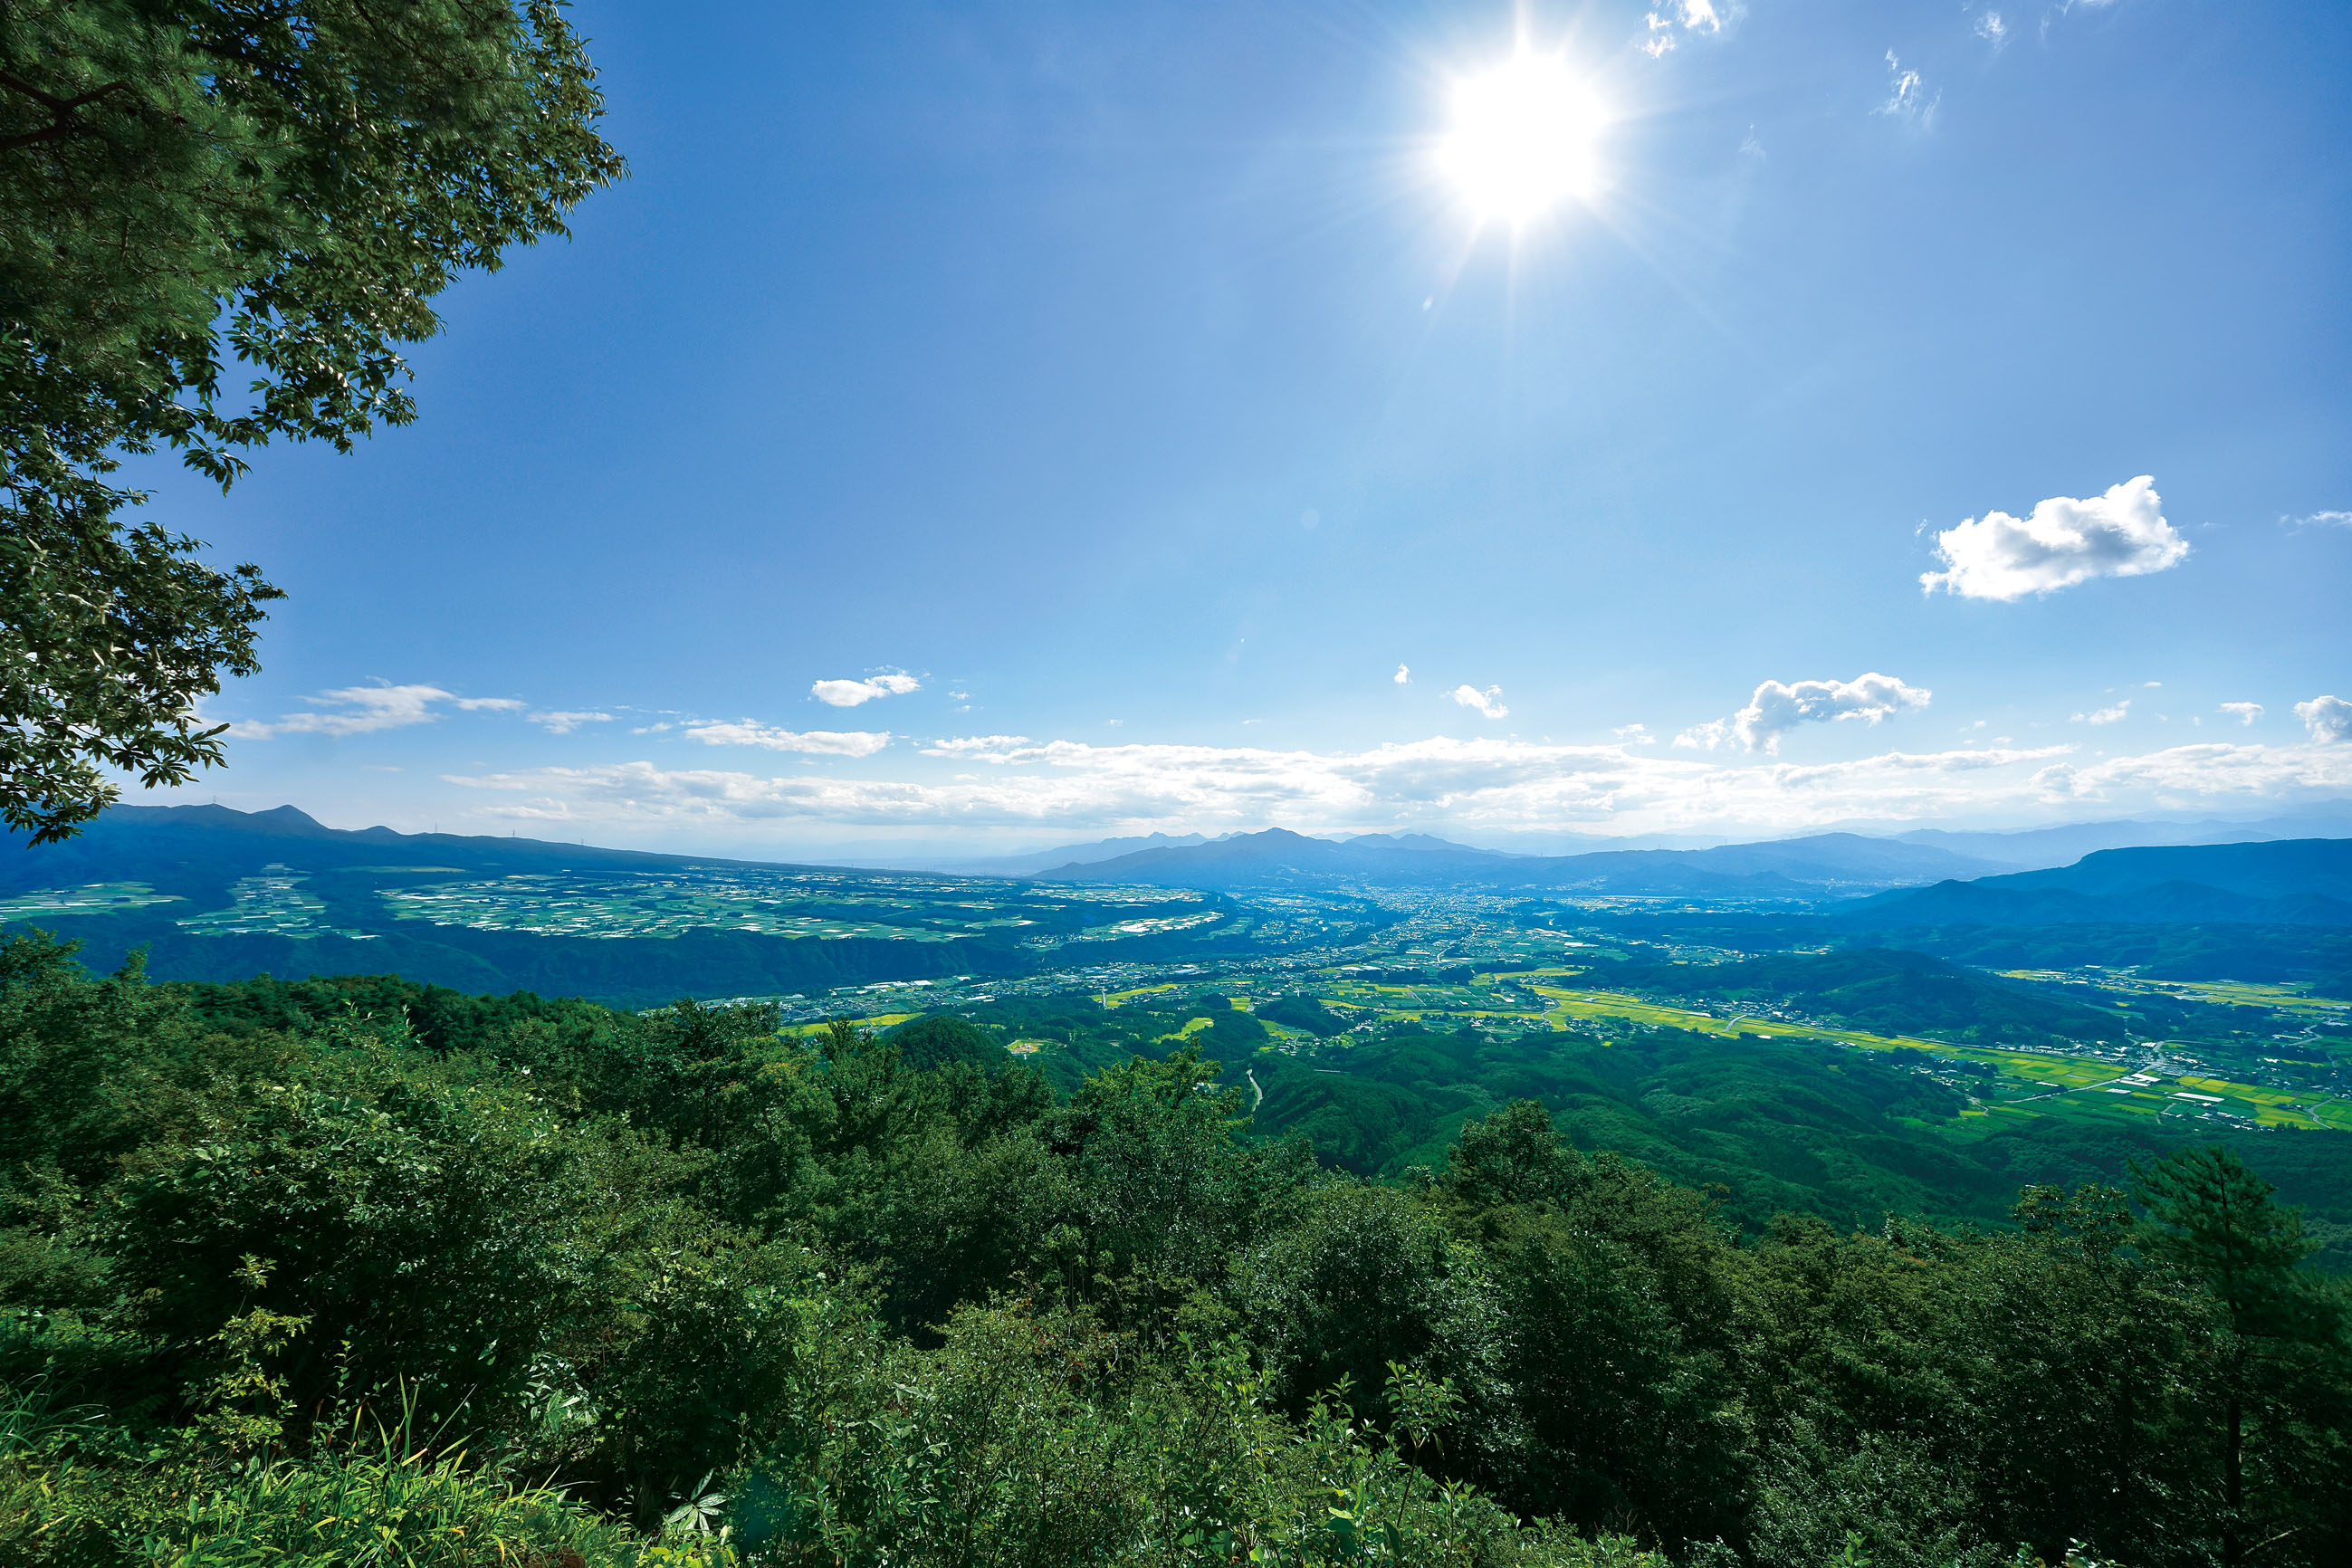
column 2002, row 1081
column 2296, row 1000
column 92, row 899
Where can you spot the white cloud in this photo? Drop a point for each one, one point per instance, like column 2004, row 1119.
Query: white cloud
column 2120, row 534
column 363, row 709
column 1779, row 706
column 1695, row 16
column 2209, row 773
column 2247, row 712
column 2329, row 718
column 850, row 693
column 490, row 704
column 1489, row 702
column 1906, row 96
column 987, row 748
column 1991, row 29
column 2320, row 520
column 1489, row 784
column 815, row 743
column 2114, row 715
column 1403, row 677
column 558, row 721
column 1634, row 735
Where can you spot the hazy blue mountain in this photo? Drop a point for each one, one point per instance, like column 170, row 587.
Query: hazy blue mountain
column 1421, row 841
column 1037, row 860
column 2041, row 848
column 172, row 846
column 2296, row 881
column 1787, row 868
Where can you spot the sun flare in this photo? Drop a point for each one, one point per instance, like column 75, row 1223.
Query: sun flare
column 1522, row 140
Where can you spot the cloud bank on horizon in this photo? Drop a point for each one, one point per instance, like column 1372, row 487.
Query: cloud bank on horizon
column 1494, row 785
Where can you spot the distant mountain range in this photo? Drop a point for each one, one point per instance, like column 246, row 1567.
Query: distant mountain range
column 199, row 849
column 1927, row 878
column 2296, row 881
column 1796, row 868
column 2043, row 847
column 1810, row 869
column 1038, row 860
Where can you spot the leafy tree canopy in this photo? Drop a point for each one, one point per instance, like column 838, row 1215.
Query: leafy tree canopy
column 288, row 183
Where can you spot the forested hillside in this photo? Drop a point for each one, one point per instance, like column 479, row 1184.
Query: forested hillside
column 549, row 1283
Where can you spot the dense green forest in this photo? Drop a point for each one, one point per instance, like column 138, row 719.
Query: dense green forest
column 357, row 1271
column 2317, row 955
column 1798, row 1125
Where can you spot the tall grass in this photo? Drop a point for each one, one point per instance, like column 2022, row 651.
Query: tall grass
column 377, row 1499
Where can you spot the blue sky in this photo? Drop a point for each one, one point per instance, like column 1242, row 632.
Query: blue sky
column 1126, row 396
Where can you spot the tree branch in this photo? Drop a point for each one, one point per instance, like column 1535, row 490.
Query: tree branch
column 64, row 112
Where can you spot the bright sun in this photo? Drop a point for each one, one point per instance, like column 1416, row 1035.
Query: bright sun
column 1522, row 139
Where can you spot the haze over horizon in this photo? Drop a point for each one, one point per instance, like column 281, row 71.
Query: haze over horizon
column 1034, row 424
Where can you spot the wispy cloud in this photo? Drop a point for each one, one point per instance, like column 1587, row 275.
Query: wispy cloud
column 1907, row 98
column 561, row 722
column 1992, row 29
column 2320, row 520
column 850, row 693
column 1634, row 735
column 2115, row 715
column 1487, row 703
column 363, row 709
column 2247, row 712
column 2120, row 534
column 2329, row 718
column 1779, row 706
column 1676, row 16
column 814, row 743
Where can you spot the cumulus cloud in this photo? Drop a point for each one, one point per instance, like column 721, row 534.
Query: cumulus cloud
column 2247, row 712
column 1634, row 735
column 1403, row 677
column 1906, row 96
column 1488, row 703
column 2120, row 534
column 2329, row 718
column 1779, row 706
column 559, row 722
column 814, row 743
column 363, row 709
column 2115, row 715
column 850, row 693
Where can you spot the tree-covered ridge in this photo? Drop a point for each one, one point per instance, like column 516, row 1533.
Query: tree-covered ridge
column 1883, row 989
column 860, row 1298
